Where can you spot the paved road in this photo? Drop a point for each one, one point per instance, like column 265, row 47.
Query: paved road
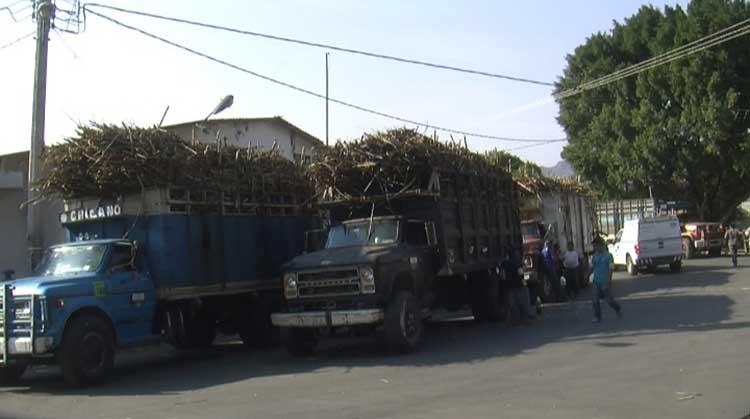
column 682, row 350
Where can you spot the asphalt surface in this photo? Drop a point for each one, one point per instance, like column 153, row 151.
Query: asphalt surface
column 682, row 349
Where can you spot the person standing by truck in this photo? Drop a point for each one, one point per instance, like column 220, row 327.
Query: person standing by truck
column 732, row 236
column 571, row 261
column 512, row 271
column 602, row 266
column 551, row 265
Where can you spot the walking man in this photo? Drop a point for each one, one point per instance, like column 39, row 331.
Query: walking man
column 732, row 236
column 551, row 270
column 571, row 262
column 602, row 266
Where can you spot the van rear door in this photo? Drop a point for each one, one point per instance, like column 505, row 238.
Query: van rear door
column 659, row 237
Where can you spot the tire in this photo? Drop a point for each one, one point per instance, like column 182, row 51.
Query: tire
column 675, row 266
column 256, row 329
column 687, row 248
column 200, row 332
column 632, row 269
column 12, row 373
column 299, row 341
column 87, row 353
column 714, row 252
column 488, row 303
column 403, row 323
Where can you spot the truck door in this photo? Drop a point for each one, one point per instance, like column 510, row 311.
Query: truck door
column 417, row 234
column 129, row 293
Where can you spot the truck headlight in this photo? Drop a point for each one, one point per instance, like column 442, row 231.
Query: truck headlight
column 290, row 285
column 367, row 280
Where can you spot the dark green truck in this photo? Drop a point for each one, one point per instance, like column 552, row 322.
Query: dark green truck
column 387, row 262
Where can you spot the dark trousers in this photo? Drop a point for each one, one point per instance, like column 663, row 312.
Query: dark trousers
column 572, row 280
column 554, row 279
column 605, row 293
column 733, row 249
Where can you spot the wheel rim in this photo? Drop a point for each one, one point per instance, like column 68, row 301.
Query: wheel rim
column 92, row 352
column 410, row 323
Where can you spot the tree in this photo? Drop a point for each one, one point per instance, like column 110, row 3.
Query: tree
column 682, row 129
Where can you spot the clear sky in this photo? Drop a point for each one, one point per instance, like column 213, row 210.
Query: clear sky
column 109, row 74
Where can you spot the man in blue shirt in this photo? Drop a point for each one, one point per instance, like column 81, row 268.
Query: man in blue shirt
column 602, row 266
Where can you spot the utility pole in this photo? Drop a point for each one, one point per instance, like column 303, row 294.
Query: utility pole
column 44, row 14
column 327, row 98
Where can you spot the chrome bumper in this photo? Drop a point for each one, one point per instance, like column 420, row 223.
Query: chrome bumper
column 328, row 318
column 22, row 346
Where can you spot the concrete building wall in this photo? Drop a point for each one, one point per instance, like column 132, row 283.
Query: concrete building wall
column 262, row 133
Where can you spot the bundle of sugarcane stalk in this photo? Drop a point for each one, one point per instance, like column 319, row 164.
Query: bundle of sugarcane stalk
column 109, row 161
column 392, row 162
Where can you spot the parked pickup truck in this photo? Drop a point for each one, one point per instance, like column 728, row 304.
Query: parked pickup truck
column 699, row 237
column 389, row 261
column 169, row 264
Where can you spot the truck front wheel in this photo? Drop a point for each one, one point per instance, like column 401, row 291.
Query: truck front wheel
column 87, row 353
column 12, row 373
column 299, row 341
column 403, row 323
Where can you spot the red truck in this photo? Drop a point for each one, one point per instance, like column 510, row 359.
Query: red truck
column 699, row 237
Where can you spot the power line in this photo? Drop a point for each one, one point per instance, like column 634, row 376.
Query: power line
column 716, row 38
column 9, row 44
column 319, row 45
column 315, row 94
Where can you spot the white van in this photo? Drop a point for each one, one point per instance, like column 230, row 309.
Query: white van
column 648, row 243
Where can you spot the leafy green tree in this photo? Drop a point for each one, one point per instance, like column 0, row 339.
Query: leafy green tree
column 682, row 128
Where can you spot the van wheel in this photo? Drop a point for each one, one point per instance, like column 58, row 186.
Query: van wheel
column 632, row 269
column 675, row 266
column 12, row 373
column 298, row 341
column 403, row 323
column 87, row 353
column 687, row 248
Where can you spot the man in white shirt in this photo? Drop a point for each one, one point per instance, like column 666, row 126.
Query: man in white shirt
column 571, row 270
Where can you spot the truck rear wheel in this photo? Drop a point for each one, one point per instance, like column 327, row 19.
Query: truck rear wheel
column 11, row 374
column 255, row 328
column 299, row 341
column 488, row 302
column 403, row 323
column 675, row 266
column 200, row 332
column 87, row 353
column 714, row 252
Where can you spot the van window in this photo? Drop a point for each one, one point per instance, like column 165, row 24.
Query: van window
column 658, row 229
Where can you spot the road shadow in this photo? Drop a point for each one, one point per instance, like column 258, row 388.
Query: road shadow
column 454, row 340
column 695, row 275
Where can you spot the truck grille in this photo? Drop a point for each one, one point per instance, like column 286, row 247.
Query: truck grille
column 328, row 283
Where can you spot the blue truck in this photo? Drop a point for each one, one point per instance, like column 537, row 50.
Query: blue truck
column 167, row 264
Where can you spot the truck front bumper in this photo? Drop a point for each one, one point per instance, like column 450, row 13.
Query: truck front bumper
column 22, row 345
column 333, row 318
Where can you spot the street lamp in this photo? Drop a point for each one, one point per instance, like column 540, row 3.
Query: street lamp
column 225, row 102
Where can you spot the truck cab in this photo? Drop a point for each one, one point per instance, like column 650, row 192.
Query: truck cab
column 349, row 283
column 85, row 298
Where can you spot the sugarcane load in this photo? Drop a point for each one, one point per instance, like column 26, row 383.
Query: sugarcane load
column 415, row 224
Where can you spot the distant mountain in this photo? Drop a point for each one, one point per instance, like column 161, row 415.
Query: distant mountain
column 561, row 169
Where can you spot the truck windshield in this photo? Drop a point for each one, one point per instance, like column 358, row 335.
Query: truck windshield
column 355, row 234
column 71, row 260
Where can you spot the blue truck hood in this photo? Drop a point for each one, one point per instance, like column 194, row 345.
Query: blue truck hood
column 54, row 285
